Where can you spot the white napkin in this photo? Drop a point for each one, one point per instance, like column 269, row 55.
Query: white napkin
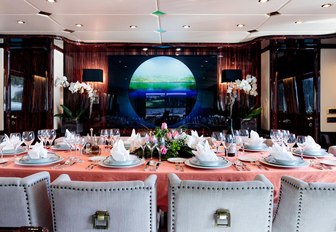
column 193, row 140
column 254, row 139
column 281, row 153
column 134, row 141
column 311, row 145
column 11, row 143
column 38, row 152
column 204, row 153
column 119, row 153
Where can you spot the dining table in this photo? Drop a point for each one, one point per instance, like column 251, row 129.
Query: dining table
column 243, row 167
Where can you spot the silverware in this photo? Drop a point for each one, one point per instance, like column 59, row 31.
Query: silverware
column 147, row 164
column 244, row 166
column 238, row 168
column 182, row 166
column 177, row 164
column 157, row 165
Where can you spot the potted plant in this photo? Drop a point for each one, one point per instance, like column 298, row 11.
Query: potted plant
column 70, row 120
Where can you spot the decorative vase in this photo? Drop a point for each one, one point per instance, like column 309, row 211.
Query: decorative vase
column 248, row 124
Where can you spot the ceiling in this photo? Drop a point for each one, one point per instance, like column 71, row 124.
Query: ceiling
column 210, row 21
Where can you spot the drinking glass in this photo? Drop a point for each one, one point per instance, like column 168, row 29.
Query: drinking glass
column 116, row 134
column 104, row 136
column 217, row 138
column 143, row 143
column 28, row 138
column 275, row 135
column 291, row 141
column 161, row 145
column 151, row 144
column 244, row 134
column 228, row 143
column 284, row 136
column 52, row 136
column 41, row 135
column 3, row 142
column 300, row 141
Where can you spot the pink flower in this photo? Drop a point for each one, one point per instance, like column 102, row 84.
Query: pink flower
column 175, row 134
column 164, row 126
column 169, row 135
column 163, row 150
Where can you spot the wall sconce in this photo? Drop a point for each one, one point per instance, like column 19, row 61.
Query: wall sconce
column 92, row 75
column 231, row 75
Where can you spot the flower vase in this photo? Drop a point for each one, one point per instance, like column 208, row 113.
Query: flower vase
column 229, row 126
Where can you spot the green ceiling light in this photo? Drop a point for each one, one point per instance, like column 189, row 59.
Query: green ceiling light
column 158, row 13
column 160, row 30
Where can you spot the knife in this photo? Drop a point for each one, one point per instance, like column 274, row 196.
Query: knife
column 157, row 165
column 147, row 164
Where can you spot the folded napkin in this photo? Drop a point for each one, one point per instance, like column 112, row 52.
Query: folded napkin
column 69, row 135
column 204, row 153
column 193, row 140
column 281, row 153
column 38, row 151
column 134, row 141
column 311, row 145
column 254, row 139
column 119, row 153
column 11, row 143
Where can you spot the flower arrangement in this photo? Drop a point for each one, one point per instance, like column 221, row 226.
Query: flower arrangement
column 175, row 143
column 249, row 88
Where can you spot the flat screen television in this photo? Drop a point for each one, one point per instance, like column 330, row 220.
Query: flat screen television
column 148, row 90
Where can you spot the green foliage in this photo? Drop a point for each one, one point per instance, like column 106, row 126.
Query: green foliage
column 68, row 114
column 253, row 113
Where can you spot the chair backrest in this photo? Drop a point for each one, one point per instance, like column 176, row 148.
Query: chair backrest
column 25, row 201
column 305, row 207
column 131, row 205
column 192, row 205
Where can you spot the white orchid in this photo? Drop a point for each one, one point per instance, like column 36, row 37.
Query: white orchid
column 61, row 82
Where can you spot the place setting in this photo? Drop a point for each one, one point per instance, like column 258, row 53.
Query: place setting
column 254, row 143
column 205, row 158
column 38, row 156
column 120, row 158
column 308, row 148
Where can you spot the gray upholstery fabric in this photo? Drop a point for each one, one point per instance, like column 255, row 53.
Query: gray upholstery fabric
column 305, row 207
column 131, row 204
column 25, row 201
column 192, row 205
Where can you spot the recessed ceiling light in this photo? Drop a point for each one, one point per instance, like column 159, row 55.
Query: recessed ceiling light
column 186, row 26
column 68, row 31
column 298, row 22
column 133, row 26
column 274, row 13
column 43, row 13
column 240, row 25
column 253, row 31
column 21, row 22
column 51, row 1
column 145, row 49
column 263, row 1
column 326, row 5
column 78, row 25
column 178, row 49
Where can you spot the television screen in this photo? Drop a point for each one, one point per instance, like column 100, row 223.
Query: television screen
column 148, row 90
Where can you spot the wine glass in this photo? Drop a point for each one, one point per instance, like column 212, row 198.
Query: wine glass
column 28, row 138
column 244, row 134
column 275, row 135
column 300, row 141
column 284, row 136
column 104, row 135
column 217, row 138
column 161, row 146
column 151, row 144
column 143, row 143
column 291, row 141
column 228, row 142
column 52, row 136
column 3, row 143
column 116, row 134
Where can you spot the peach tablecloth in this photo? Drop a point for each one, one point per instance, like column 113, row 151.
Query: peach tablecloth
column 79, row 172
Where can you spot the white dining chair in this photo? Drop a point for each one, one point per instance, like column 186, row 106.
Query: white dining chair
column 198, row 206
column 116, row 206
column 305, row 207
column 25, row 201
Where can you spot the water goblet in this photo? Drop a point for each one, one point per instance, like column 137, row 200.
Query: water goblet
column 275, row 135
column 52, row 136
column 244, row 134
column 104, row 135
column 217, row 138
column 116, row 134
column 228, row 143
column 3, row 143
column 28, row 138
column 161, row 146
column 143, row 143
column 300, row 141
column 151, row 144
column 284, row 136
column 291, row 141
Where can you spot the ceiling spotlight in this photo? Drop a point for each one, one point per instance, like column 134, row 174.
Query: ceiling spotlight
column 186, row 26
column 51, row 1
column 274, row 13
column 68, row 31
column 145, row 49
column 252, row 31
column 263, row 1
column 298, row 22
column 326, row 5
column 133, row 26
column 79, row 25
column 178, row 49
column 43, row 13
column 21, row 22
column 240, row 25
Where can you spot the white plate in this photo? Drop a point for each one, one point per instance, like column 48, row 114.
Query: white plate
column 247, row 158
column 328, row 162
column 19, row 151
column 187, row 162
column 257, row 149
column 17, row 162
column 118, row 166
column 326, row 154
column 96, row 158
column 132, row 161
column 176, row 160
column 2, row 161
column 60, row 148
column 306, row 164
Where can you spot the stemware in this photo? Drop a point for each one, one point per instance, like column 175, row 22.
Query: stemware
column 28, row 138
column 284, row 136
column 104, row 135
column 3, row 142
column 52, row 136
column 291, row 141
column 244, row 134
column 143, row 143
column 228, row 143
column 217, row 138
column 161, row 146
column 116, row 134
column 275, row 135
column 300, row 141
column 151, row 144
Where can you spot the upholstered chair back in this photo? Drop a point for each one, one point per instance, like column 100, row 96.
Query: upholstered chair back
column 123, row 205
column 25, row 201
column 245, row 206
column 305, row 207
